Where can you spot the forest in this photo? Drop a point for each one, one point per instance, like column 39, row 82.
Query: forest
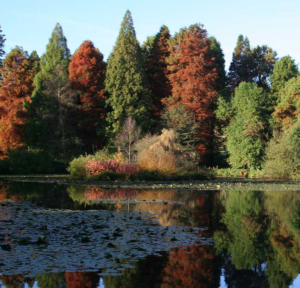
column 166, row 108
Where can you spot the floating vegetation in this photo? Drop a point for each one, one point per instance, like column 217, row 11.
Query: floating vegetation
column 239, row 184
column 36, row 239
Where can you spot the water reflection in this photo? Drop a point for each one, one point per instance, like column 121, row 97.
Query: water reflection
column 257, row 236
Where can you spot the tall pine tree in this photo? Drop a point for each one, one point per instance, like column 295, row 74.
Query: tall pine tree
column 156, row 51
column 51, row 99
column 241, row 67
column 126, row 81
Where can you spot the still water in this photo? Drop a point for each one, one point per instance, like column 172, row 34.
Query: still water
column 72, row 236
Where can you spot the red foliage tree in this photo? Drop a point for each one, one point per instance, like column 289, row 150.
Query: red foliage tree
column 16, row 88
column 193, row 76
column 157, row 51
column 79, row 280
column 192, row 267
column 87, row 74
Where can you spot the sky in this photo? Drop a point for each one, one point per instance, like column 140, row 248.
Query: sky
column 29, row 23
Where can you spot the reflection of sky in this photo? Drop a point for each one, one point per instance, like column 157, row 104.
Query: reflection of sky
column 101, row 284
column 222, row 280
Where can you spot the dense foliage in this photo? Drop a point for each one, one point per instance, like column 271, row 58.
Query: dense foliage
column 126, row 81
column 63, row 105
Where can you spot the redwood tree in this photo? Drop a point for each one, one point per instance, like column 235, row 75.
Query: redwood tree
column 193, row 77
column 156, row 50
column 16, row 87
column 87, row 73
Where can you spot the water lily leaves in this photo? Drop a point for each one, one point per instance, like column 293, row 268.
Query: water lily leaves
column 52, row 240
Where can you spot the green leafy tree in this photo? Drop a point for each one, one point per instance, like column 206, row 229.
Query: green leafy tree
column 51, row 280
column 284, row 70
column 126, row 81
column 246, row 236
column 287, row 110
column 247, row 132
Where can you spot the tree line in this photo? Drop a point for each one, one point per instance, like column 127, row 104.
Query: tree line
column 64, row 105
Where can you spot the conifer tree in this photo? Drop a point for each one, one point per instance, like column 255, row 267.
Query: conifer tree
column 57, row 53
column 87, row 74
column 284, row 70
column 219, row 63
column 17, row 85
column 126, row 81
column 50, row 101
column 156, row 50
column 242, row 64
column 36, row 61
column 193, row 77
column 247, row 131
column 251, row 65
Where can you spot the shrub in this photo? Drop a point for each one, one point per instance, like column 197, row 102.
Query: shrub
column 283, row 155
column 26, row 162
column 77, row 167
column 163, row 154
column 95, row 167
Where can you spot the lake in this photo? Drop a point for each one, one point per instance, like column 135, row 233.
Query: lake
column 79, row 236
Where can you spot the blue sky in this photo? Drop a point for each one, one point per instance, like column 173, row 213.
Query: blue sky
column 29, row 23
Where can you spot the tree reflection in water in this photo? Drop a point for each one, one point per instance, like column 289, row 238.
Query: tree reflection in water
column 257, row 236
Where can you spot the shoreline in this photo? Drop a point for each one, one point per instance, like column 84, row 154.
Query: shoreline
column 239, row 184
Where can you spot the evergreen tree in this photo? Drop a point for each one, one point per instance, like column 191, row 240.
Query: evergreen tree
column 247, row 131
column 241, row 66
column 49, row 127
column 223, row 100
column 87, row 74
column 36, row 61
column 264, row 59
column 284, row 70
column 126, row 81
column 156, row 50
column 219, row 63
column 57, row 53
column 251, row 65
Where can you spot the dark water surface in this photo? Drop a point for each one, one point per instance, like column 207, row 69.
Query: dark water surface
column 72, row 236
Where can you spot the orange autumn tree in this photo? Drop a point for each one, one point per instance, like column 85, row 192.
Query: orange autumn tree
column 16, row 87
column 193, row 77
column 87, row 73
column 82, row 279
